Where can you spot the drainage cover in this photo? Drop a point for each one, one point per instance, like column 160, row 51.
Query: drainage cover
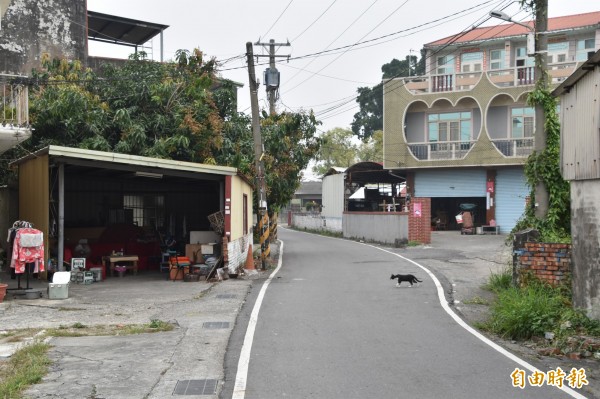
column 214, row 325
column 196, row 387
column 226, row 296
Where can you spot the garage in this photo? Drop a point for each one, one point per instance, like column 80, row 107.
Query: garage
column 125, row 203
column 450, row 188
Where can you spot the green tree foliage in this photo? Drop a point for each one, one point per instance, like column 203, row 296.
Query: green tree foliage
column 370, row 99
column 372, row 149
column 177, row 110
column 290, row 143
column 337, row 149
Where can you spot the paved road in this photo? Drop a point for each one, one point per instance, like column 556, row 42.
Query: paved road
column 333, row 325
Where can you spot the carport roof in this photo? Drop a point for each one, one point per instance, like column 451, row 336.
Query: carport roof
column 133, row 162
column 371, row 172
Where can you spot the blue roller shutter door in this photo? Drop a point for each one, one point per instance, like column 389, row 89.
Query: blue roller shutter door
column 450, row 183
column 511, row 192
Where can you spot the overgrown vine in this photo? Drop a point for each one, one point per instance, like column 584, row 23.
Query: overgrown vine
column 544, row 167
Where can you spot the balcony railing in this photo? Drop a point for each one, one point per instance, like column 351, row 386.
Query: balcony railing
column 14, row 113
column 517, row 148
column 440, row 150
column 14, row 105
column 508, row 77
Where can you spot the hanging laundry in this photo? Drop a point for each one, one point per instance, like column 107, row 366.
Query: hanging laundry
column 28, row 247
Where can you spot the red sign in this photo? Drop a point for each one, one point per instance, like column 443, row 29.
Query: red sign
column 490, row 186
column 417, row 209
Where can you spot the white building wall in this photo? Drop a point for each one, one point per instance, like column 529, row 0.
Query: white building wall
column 333, row 196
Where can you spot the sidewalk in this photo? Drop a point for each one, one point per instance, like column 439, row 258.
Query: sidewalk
column 187, row 360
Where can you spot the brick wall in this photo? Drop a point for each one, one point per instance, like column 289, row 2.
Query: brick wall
column 419, row 227
column 547, row 261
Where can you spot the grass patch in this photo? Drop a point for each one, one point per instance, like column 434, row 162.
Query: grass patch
column 80, row 330
column 26, row 367
column 498, row 282
column 413, row 244
column 328, row 233
column 477, row 300
column 521, row 313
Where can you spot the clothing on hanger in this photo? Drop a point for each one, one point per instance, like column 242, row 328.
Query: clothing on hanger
column 28, row 247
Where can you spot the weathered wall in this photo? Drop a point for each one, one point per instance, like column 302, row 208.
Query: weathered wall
column 237, row 251
column 585, row 234
column 31, row 28
column 382, row 227
column 315, row 221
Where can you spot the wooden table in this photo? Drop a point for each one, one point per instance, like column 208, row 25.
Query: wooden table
column 114, row 259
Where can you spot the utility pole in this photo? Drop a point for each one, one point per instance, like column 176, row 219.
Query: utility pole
column 541, row 76
column 271, row 78
column 263, row 218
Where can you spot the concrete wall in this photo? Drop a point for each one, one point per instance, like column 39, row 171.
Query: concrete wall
column 31, row 28
column 381, row 227
column 585, row 234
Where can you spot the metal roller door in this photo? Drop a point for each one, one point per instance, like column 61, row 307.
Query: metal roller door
column 511, row 191
column 450, row 183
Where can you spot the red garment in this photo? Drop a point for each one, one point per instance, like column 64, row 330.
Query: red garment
column 23, row 255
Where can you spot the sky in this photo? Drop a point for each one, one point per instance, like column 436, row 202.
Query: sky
column 325, row 82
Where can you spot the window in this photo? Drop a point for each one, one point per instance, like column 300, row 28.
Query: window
column 522, row 59
column 451, row 126
column 522, row 122
column 471, row 62
column 497, row 59
column 584, row 48
column 147, row 210
column 557, row 52
column 445, row 65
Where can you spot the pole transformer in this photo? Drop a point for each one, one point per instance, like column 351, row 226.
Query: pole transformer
column 271, row 78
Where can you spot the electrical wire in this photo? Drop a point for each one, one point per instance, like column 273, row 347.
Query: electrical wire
column 314, row 22
column 278, row 18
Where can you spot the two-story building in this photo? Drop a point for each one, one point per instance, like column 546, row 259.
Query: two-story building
column 461, row 133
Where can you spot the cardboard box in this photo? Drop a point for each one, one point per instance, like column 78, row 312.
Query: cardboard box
column 177, row 274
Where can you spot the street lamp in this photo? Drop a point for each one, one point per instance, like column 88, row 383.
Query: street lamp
column 530, row 36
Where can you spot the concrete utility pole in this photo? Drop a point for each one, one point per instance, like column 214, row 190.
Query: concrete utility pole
column 263, row 218
column 541, row 75
column 272, row 75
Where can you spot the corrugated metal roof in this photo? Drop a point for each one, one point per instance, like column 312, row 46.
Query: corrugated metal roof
column 587, row 66
column 508, row 30
column 125, row 159
column 310, row 187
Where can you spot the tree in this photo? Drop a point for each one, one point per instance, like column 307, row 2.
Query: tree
column 178, row 110
column 370, row 100
column 337, row 149
column 290, row 143
column 372, row 149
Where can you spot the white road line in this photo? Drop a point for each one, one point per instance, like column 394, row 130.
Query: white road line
column 239, row 389
column 477, row 334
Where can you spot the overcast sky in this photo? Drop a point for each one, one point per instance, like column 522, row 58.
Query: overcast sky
column 221, row 29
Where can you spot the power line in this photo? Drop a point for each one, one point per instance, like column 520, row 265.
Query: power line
column 340, row 35
column 278, row 18
column 313, row 22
